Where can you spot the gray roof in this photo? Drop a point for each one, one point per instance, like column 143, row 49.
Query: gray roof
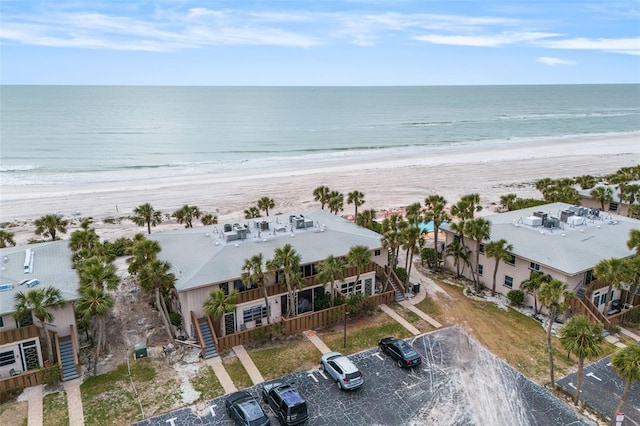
column 51, row 266
column 201, row 256
column 570, row 249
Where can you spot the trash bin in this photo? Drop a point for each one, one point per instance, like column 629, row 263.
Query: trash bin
column 140, row 351
column 416, row 288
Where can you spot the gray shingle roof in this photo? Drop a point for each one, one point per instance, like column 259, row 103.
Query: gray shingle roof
column 51, row 266
column 200, row 256
column 570, row 249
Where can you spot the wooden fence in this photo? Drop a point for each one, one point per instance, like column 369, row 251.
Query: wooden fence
column 21, row 381
column 18, row 334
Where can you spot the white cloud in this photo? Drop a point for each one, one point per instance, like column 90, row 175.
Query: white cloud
column 554, row 61
column 629, row 46
column 494, row 40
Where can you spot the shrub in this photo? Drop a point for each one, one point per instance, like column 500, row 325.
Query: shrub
column 51, row 374
column 402, row 274
column 322, row 302
column 516, row 297
column 176, row 319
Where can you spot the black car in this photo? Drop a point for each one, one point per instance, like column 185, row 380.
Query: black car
column 245, row 410
column 285, row 401
column 400, row 351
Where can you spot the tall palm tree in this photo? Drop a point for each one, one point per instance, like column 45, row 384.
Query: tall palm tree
column 287, row 259
column 359, row 256
column 39, row 302
column 367, row 219
column 143, row 251
column 186, row 214
column 321, row 194
column 156, row 276
column 622, row 178
column 49, row 225
column 632, row 276
column 552, row 296
column 412, row 213
column 586, row 181
column 252, row 213
column 410, row 237
column 331, row 270
column 253, row 273
column 335, row 202
column 460, row 254
column 391, row 241
column 219, row 304
column 95, row 272
column 145, row 214
column 634, row 241
column 611, row 271
column 435, row 211
column 506, row 202
column 6, row 239
column 357, row 199
column 93, row 305
column 501, row 251
column 266, row 203
column 626, row 362
column 83, row 239
column 603, row 194
column 584, row 340
column 478, row 229
column 532, row 285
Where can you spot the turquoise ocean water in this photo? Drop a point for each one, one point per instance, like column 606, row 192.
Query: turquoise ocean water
column 83, row 134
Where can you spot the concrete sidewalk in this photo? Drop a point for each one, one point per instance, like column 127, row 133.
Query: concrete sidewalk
column 221, row 373
column 34, row 401
column 248, row 364
column 313, row 337
column 74, row 402
column 403, row 322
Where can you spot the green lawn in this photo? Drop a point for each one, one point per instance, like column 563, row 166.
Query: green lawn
column 238, row 374
column 292, row 356
column 207, row 383
column 54, row 409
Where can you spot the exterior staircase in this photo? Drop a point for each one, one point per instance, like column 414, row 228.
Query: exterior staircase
column 580, row 293
column 67, row 361
column 399, row 296
column 207, row 337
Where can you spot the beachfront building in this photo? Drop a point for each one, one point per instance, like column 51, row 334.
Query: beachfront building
column 558, row 239
column 212, row 257
column 23, row 344
column 614, row 205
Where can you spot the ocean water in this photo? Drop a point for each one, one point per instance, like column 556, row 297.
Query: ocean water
column 82, row 134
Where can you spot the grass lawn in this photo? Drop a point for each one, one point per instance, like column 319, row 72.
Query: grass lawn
column 238, row 374
column 54, row 409
column 206, row 382
column 109, row 399
column 291, row 356
column 363, row 333
column 412, row 318
column 14, row 413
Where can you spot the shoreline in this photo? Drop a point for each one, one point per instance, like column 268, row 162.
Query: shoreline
column 386, row 183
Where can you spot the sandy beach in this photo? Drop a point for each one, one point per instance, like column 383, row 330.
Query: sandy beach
column 386, row 184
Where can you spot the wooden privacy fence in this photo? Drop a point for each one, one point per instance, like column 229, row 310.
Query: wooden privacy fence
column 18, row 334
column 21, row 381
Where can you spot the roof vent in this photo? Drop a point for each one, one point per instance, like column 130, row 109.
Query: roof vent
column 6, row 287
column 28, row 261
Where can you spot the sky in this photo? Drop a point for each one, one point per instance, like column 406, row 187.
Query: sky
column 319, row 42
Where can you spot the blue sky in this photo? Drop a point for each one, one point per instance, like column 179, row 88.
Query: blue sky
column 319, row 42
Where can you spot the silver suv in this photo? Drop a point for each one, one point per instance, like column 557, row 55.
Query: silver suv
column 342, row 370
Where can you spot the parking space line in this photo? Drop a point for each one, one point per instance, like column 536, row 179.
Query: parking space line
column 378, row 355
column 322, row 374
column 594, row 376
column 313, row 377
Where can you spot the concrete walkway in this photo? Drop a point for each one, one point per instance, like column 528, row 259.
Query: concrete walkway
column 221, row 373
column 248, row 364
column 403, row 322
column 313, row 337
column 630, row 334
column 74, row 402
column 34, row 398
column 408, row 305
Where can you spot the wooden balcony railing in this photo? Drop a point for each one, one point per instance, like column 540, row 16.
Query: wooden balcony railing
column 18, row 334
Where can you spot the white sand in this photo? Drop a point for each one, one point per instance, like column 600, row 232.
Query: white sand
column 386, row 184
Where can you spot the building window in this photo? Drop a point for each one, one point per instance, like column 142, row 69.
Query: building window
column 351, row 288
column 225, row 288
column 377, row 253
column 7, row 358
column 254, row 313
column 534, row 266
column 508, row 281
column 481, row 248
column 511, row 260
column 456, row 238
column 480, row 269
column 1, row 321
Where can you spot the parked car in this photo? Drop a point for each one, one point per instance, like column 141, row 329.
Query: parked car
column 342, row 370
column 286, row 402
column 243, row 408
column 400, row 351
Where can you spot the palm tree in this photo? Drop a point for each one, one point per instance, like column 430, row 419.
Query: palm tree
column 252, row 213
column 610, row 271
column 632, row 276
column 49, row 225
column 357, row 199
column 321, row 194
column 335, row 202
column 209, row 219
column 95, row 272
column 585, row 181
column 38, row 302
column 219, row 304
column 83, row 239
column 143, row 251
column 634, row 211
column 412, row 213
column 186, row 214
column 331, row 270
column 634, row 241
column 254, row 274
column 459, row 253
column 287, row 259
column 532, row 285
column 145, row 214
column 435, row 205
column 500, row 251
column 156, row 276
column 622, row 177
column 584, row 340
column 626, row 362
column 552, row 296
column 359, row 256
column 507, row 201
column 266, row 203
column 603, row 194
column 367, row 219
column 410, row 237
column 479, row 230
column 94, row 304
column 6, row 239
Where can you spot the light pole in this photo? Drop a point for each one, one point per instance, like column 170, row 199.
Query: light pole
column 345, row 327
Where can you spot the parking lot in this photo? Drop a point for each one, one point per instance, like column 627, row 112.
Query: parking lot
column 458, row 383
column 602, row 388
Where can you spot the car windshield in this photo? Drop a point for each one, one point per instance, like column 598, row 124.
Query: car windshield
column 252, row 409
